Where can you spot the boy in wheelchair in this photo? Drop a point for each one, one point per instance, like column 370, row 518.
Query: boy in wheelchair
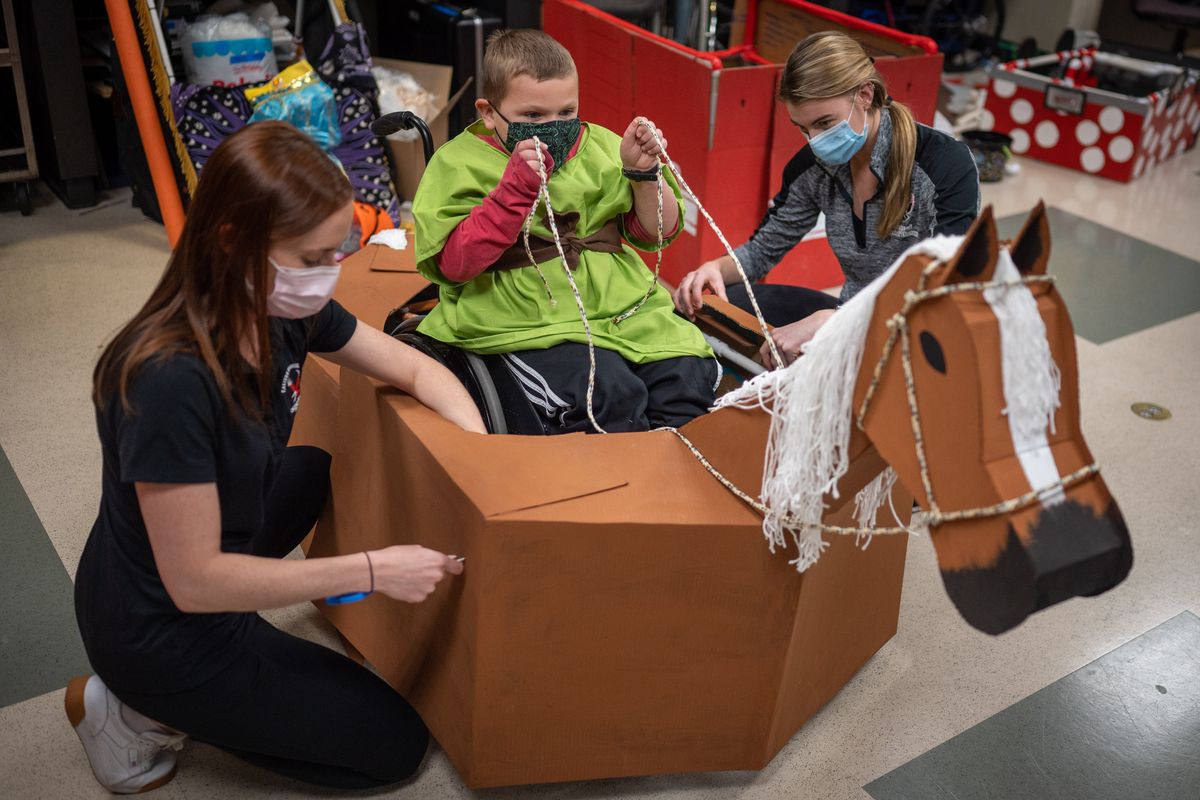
column 653, row 368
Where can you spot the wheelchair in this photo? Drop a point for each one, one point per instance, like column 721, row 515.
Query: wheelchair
column 732, row 333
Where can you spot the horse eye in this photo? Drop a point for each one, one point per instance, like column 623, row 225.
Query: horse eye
column 933, row 352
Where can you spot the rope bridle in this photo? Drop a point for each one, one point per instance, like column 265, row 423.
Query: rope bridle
column 898, row 330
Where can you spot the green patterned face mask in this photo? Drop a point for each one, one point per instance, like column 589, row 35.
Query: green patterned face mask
column 558, row 135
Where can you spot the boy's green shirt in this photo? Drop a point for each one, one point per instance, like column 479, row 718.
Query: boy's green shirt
column 507, row 310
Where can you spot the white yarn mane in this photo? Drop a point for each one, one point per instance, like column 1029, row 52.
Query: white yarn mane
column 810, row 406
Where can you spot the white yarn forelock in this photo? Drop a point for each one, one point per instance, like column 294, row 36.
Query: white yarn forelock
column 1032, row 380
column 810, row 403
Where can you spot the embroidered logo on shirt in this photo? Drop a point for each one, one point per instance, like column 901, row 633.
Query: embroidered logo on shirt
column 907, row 229
column 290, row 387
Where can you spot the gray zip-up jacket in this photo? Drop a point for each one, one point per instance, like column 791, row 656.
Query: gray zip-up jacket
column 945, row 200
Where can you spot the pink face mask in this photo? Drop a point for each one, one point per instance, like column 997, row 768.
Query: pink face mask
column 301, row 291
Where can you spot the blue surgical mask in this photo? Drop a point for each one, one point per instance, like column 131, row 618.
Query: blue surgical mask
column 838, row 144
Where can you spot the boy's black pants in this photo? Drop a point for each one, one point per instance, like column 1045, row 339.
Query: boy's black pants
column 626, row 396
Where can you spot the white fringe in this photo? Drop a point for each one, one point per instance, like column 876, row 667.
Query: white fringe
column 868, row 501
column 810, row 406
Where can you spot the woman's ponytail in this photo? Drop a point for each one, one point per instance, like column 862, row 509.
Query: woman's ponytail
column 897, row 191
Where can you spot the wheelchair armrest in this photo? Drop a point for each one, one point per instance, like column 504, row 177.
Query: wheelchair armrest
column 730, row 324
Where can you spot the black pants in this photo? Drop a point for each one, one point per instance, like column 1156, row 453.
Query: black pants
column 780, row 304
column 287, row 704
column 626, row 396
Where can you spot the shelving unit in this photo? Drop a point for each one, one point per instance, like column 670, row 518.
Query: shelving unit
column 17, row 164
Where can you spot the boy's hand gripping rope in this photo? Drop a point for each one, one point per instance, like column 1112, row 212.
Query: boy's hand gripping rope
column 762, row 323
column 544, row 197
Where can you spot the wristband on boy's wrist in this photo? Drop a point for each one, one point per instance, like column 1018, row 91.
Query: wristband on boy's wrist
column 642, row 174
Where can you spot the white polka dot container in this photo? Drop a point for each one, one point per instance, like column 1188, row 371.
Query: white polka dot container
column 1065, row 109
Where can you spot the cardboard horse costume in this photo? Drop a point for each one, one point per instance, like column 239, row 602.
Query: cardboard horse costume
column 619, row 614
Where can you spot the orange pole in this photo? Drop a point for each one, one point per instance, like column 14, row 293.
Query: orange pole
column 144, row 111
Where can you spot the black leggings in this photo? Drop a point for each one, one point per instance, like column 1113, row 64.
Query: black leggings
column 780, row 304
column 287, row 704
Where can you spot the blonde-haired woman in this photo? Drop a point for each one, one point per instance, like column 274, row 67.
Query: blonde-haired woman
column 883, row 181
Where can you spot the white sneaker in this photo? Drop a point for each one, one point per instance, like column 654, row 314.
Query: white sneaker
column 123, row 760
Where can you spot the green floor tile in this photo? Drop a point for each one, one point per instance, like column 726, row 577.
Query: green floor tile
column 1125, row 726
column 40, row 648
column 1114, row 284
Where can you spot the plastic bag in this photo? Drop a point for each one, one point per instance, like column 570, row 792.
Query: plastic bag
column 229, row 50
column 299, row 96
column 399, row 91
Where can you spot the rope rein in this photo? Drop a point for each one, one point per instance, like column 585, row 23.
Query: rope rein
column 544, row 196
column 898, row 330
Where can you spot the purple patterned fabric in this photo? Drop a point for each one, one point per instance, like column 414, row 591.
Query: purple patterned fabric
column 346, row 66
column 207, row 115
column 346, row 61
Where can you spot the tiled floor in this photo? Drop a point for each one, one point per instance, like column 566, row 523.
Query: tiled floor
column 67, row 280
column 1126, row 725
column 1114, row 284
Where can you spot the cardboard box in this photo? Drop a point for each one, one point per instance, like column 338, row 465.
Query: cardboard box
column 408, row 158
column 604, row 627
column 620, row 613
column 1055, row 112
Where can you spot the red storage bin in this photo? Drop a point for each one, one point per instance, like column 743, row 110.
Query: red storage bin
column 725, row 129
column 1056, row 110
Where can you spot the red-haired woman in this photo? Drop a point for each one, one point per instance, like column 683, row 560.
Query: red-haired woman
column 201, row 498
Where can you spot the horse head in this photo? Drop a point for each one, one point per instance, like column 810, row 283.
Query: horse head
column 968, row 388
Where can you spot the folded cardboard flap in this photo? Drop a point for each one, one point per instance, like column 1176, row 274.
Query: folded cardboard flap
column 384, row 259
column 501, row 474
column 408, row 158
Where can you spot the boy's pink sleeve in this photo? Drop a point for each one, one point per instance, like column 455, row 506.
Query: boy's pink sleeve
column 633, row 227
column 492, row 227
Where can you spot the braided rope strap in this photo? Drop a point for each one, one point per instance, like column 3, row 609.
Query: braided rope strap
column 762, row 323
column 544, row 197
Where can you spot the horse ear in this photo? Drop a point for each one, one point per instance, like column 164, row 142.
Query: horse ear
column 1030, row 251
column 976, row 256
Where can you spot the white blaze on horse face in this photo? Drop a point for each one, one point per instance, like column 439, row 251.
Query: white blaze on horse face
column 1031, row 379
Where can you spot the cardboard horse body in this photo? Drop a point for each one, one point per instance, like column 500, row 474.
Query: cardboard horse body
column 620, row 613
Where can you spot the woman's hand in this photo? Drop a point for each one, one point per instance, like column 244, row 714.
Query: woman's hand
column 411, row 572
column 638, row 149
column 689, row 296
column 789, row 339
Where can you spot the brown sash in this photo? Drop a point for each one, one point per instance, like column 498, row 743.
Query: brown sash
column 605, row 240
